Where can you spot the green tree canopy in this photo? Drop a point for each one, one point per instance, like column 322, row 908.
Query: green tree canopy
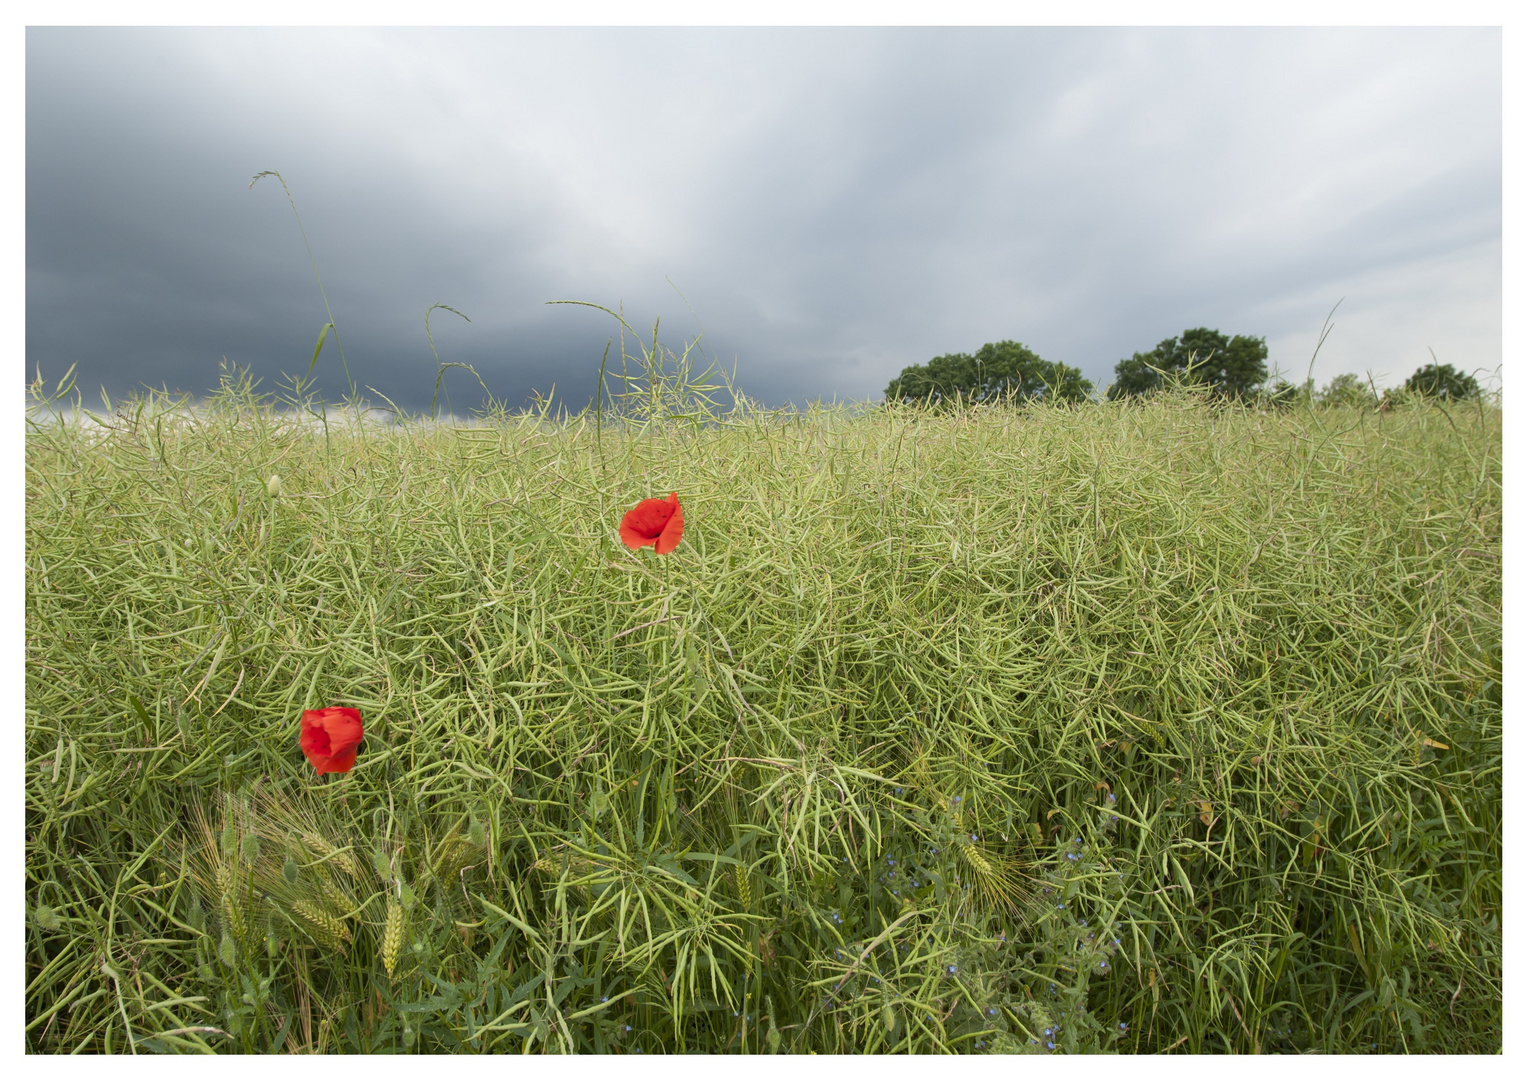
column 1442, row 380
column 1003, row 370
column 1231, row 367
column 1346, row 389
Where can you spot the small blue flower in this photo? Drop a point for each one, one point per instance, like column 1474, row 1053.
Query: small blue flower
column 1111, row 796
column 1076, row 839
column 991, row 1010
column 1050, row 1045
column 1050, row 1031
column 980, row 1044
column 628, row 1026
column 957, row 798
column 973, row 838
column 1123, row 1026
column 1072, row 855
column 890, row 861
column 603, row 1000
column 949, row 969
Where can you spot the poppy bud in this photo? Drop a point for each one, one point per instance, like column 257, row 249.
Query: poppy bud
column 273, row 486
column 477, row 836
column 889, row 1016
column 289, row 871
column 774, row 1037
column 230, row 840
column 406, row 897
column 380, row 864
column 227, row 951
column 250, row 848
column 47, row 918
column 198, row 918
column 408, row 1035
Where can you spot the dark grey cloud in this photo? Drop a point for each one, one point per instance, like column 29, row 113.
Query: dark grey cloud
column 834, row 204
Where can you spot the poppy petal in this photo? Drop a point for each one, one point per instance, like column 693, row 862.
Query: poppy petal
column 329, row 738
column 669, row 538
column 342, row 762
column 646, row 522
column 632, row 538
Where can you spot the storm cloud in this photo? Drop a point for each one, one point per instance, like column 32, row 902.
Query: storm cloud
column 832, row 204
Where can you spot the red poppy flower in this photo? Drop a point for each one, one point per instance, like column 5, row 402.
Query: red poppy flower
column 658, row 522
column 329, row 738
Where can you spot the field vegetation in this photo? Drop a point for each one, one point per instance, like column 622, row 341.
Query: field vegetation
column 1164, row 724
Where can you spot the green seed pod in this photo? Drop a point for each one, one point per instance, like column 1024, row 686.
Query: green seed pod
column 380, row 864
column 408, row 1035
column 47, row 918
column 250, row 847
column 230, row 840
column 289, row 871
column 477, row 836
column 227, row 951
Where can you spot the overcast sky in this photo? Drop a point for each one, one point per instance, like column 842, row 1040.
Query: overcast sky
column 833, row 204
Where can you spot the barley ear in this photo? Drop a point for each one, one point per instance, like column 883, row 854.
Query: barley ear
column 233, row 916
column 744, row 890
column 392, row 936
column 321, row 924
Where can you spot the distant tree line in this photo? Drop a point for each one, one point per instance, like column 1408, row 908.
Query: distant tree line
column 1229, row 368
column 999, row 371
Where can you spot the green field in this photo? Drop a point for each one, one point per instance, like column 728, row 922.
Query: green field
column 1139, row 727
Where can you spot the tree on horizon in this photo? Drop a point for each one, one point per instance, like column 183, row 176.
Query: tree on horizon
column 998, row 371
column 1229, row 366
